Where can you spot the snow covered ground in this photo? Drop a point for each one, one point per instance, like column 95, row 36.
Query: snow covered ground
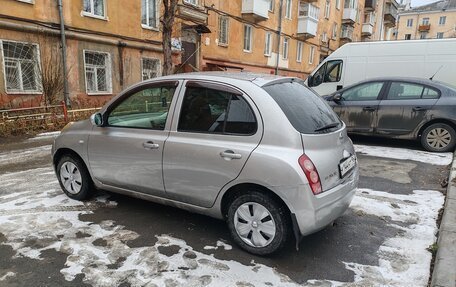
column 36, row 216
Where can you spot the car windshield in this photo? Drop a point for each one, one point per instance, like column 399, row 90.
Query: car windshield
column 306, row 111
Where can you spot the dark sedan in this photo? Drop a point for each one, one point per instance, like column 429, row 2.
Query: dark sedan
column 405, row 108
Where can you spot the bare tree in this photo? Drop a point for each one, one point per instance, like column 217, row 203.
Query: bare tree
column 170, row 8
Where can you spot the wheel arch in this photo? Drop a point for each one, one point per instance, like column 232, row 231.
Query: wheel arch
column 66, row 151
column 435, row 121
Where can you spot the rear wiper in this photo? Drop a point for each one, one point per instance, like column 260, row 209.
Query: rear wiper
column 328, row 126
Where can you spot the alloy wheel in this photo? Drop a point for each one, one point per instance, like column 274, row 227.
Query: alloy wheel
column 438, row 138
column 71, row 177
column 254, row 224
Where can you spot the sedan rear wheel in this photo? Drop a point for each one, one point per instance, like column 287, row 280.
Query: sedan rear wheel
column 439, row 138
column 258, row 223
column 74, row 178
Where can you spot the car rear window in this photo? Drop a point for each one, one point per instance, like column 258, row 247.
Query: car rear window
column 306, row 111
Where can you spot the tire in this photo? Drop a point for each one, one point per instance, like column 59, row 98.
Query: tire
column 438, row 138
column 254, row 230
column 74, row 177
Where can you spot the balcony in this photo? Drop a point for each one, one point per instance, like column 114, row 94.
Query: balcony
column 367, row 30
column 307, row 20
column 196, row 14
column 346, row 34
column 349, row 16
column 255, row 10
column 370, row 5
column 424, row 27
column 390, row 15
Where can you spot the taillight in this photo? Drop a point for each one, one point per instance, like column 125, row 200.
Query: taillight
column 311, row 173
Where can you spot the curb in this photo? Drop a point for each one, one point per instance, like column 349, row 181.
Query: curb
column 444, row 274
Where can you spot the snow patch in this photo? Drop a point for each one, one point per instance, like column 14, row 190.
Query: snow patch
column 23, row 155
column 220, row 244
column 406, row 154
column 45, row 136
column 8, row 274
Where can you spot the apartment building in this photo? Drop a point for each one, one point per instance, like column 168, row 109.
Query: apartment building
column 435, row 20
column 109, row 46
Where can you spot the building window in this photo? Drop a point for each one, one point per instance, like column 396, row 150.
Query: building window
column 94, row 8
column 248, row 38
column 425, row 21
column 409, row 23
column 286, row 44
column 442, row 20
column 97, row 72
column 423, row 35
column 192, row 2
column 327, row 9
column 440, row 35
column 271, row 6
column 311, row 54
column 324, row 37
column 267, row 44
column 299, row 51
column 288, row 9
column 223, row 30
column 338, row 4
column 335, row 30
column 21, row 67
column 408, row 36
column 149, row 13
column 150, row 68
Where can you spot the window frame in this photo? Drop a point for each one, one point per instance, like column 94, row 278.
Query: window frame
column 250, row 39
column 409, row 36
column 444, row 20
column 271, row 6
column 425, row 21
column 380, row 96
column 222, row 88
column 327, row 9
column 135, row 89
column 39, row 86
column 92, row 12
column 285, row 48
column 142, row 67
column 108, row 68
column 409, row 23
column 227, row 30
column 425, row 86
column 299, row 49
column 288, row 9
column 190, row 2
column 268, row 44
column 311, row 54
column 439, row 34
column 157, row 16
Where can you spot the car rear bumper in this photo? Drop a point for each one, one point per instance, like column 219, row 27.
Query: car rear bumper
column 313, row 213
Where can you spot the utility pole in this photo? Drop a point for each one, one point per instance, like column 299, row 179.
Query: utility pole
column 279, row 33
column 66, row 94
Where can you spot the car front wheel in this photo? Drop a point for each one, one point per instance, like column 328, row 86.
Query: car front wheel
column 74, row 178
column 438, row 138
column 257, row 223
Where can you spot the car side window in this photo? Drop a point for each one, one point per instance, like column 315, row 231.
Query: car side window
column 333, row 71
column 364, row 92
column 147, row 108
column 404, row 91
column 429, row 93
column 206, row 110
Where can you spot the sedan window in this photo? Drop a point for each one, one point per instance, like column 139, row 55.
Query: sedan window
column 409, row 91
column 363, row 92
column 147, row 108
column 207, row 110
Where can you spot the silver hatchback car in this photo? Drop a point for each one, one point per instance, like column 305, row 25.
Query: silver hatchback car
column 262, row 152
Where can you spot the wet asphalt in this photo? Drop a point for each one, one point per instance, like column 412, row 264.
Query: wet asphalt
column 352, row 238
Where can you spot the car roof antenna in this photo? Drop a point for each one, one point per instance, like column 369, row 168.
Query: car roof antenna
column 431, row 78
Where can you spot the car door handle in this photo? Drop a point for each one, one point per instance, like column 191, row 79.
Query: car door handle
column 369, row 109
column 417, row 109
column 150, row 145
column 229, row 154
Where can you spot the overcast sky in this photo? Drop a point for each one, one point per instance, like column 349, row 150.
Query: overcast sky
column 416, row 3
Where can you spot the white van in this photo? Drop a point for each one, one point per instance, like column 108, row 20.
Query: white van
column 354, row 62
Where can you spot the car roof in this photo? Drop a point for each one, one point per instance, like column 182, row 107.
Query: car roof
column 423, row 81
column 258, row 79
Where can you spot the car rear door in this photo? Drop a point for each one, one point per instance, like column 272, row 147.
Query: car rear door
column 127, row 151
column 211, row 139
column 404, row 106
column 358, row 107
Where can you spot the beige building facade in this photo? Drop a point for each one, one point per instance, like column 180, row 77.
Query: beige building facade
column 433, row 21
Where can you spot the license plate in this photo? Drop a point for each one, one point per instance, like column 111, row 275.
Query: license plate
column 347, row 165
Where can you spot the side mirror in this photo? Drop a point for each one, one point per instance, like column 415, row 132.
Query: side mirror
column 337, row 97
column 310, row 81
column 96, row 119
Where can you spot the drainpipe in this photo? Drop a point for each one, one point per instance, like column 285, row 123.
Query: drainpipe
column 66, row 93
column 278, row 40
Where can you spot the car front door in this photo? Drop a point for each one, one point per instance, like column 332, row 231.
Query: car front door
column 210, row 141
column 127, row 151
column 358, row 106
column 404, row 107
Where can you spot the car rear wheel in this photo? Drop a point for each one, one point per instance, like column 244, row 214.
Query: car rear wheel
column 257, row 223
column 438, row 138
column 74, row 178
